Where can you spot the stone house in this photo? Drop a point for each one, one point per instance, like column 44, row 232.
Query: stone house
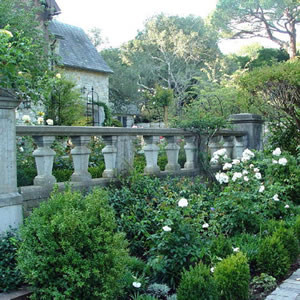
column 79, row 60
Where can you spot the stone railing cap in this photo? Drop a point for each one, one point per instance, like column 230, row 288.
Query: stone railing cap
column 245, row 117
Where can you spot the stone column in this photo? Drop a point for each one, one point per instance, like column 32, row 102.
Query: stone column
column 190, row 153
column 11, row 213
column 238, row 146
column 253, row 125
column 151, row 153
column 216, row 143
column 44, row 156
column 172, row 150
column 125, row 153
column 228, row 145
column 110, row 155
column 80, row 155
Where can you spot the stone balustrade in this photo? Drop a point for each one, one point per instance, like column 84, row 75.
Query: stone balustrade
column 118, row 155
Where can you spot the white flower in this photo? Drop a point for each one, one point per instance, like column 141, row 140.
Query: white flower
column 49, row 122
column 205, row 225
column 245, row 172
column 287, row 206
column 183, row 202
column 274, row 161
column 220, row 152
column 275, row 197
column 212, row 269
column 249, row 153
column 258, row 175
column 251, row 166
column 222, row 178
column 256, row 170
column 236, row 249
column 277, row 152
column 282, row 161
column 236, row 161
column 167, row 228
column 245, row 158
column 21, row 149
column 40, row 120
column 137, row 284
column 20, row 73
column 236, row 175
column 214, row 160
column 26, row 118
column 227, row 166
column 58, row 76
column 246, row 178
column 261, row 189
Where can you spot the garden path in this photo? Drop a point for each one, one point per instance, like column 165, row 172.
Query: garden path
column 288, row 290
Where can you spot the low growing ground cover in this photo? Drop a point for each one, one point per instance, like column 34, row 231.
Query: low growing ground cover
column 178, row 238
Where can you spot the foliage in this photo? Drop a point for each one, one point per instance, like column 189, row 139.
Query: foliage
column 278, row 85
column 64, row 106
column 11, row 277
column 289, row 242
column 159, row 291
column 261, row 286
column 221, row 247
column 108, row 119
column 272, row 257
column 296, row 228
column 272, row 19
column 92, row 254
column 197, row 284
column 232, row 276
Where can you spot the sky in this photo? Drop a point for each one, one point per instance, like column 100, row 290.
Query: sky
column 120, row 20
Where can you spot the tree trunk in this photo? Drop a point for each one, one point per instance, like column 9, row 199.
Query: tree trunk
column 292, row 44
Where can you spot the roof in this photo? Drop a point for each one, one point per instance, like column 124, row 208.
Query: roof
column 52, row 5
column 76, row 50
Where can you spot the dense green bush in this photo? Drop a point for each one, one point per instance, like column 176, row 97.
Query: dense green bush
column 197, row 284
column 289, row 242
column 221, row 247
column 71, row 248
column 296, row 228
column 232, row 276
column 10, row 277
column 272, row 257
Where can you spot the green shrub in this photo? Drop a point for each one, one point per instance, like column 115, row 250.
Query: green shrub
column 62, row 175
column 296, row 228
column 160, row 291
column 221, row 247
column 197, row 284
column 10, row 277
column 232, row 277
column 272, row 257
column 25, row 176
column 289, row 241
column 71, row 249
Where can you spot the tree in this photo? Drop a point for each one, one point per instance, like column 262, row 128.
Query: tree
column 95, row 35
column 272, row 19
column 170, row 51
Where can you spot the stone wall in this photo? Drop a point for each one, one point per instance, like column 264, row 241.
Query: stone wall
column 89, row 79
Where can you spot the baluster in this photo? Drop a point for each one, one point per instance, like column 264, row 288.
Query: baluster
column 44, row 156
column 238, row 147
column 80, row 154
column 190, row 153
column 110, row 155
column 151, row 153
column 172, row 150
column 216, row 143
column 228, row 145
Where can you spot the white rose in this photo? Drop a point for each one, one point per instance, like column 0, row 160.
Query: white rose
column 258, row 175
column 40, row 120
column 249, row 153
column 183, row 202
column 277, row 152
column 212, row 269
column 167, row 228
column 275, row 197
column 245, row 172
column 261, row 189
column 49, row 122
column 205, row 225
column 246, row 178
column 236, row 161
column 274, row 161
column 26, row 118
column 227, row 166
column 137, row 284
column 251, row 166
column 287, row 206
column 282, row 161
column 236, row 249
column 256, row 170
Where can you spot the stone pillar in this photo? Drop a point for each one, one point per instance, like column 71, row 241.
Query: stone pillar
column 253, row 125
column 44, row 156
column 190, row 152
column 151, row 153
column 228, row 145
column 11, row 213
column 125, row 153
column 238, row 146
column 80, row 154
column 215, row 144
column 110, row 155
column 172, row 150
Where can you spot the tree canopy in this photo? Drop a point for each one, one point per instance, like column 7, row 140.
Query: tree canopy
column 272, row 19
